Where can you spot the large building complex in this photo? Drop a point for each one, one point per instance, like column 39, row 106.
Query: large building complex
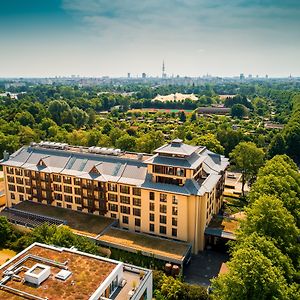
column 42, row 272
column 173, row 193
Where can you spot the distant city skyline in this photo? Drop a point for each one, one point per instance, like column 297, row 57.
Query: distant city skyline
column 95, row 38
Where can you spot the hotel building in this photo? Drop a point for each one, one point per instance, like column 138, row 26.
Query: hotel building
column 173, row 193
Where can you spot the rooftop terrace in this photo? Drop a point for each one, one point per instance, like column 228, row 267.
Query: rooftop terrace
column 88, row 272
column 167, row 250
column 79, row 222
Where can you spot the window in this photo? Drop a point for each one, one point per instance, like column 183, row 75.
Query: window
column 137, row 212
column 125, row 199
column 174, row 221
column 112, row 187
column 151, row 217
column 68, row 198
column 163, row 208
column 57, row 178
column 174, row 232
column 20, row 189
column 112, row 207
column 11, row 179
column 12, row 196
column 77, row 191
column 174, row 200
column 174, row 211
column 151, row 206
column 79, row 208
column 58, row 204
column 162, row 229
column 67, row 180
column 68, row 189
column 151, row 196
column 26, row 173
column 57, row 196
column 77, row 200
column 136, row 201
column 10, row 170
column 57, row 187
column 125, row 210
column 163, row 219
column 113, row 197
column 28, row 191
column 114, row 216
column 163, row 198
column 124, row 189
column 136, row 191
column 11, row 187
column 69, row 206
column 137, row 222
column 125, row 220
column 21, row 197
column 27, row 182
column 151, row 227
column 76, row 181
column 19, row 172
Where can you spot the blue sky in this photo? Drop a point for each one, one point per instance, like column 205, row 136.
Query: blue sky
column 113, row 37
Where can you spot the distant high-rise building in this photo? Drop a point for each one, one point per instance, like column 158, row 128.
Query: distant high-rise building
column 267, row 76
column 250, row 76
column 128, row 75
column 163, row 75
column 242, row 76
column 144, row 75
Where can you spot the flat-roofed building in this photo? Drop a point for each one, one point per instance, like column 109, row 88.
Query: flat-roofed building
column 172, row 194
column 48, row 272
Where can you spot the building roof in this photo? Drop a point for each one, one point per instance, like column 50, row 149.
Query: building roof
column 88, row 272
column 128, row 168
column 67, row 274
column 177, row 147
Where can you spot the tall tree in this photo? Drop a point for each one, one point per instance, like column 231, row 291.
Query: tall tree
column 248, row 158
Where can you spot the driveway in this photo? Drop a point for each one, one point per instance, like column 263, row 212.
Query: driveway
column 204, row 266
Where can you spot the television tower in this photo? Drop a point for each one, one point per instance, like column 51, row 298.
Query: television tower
column 164, row 75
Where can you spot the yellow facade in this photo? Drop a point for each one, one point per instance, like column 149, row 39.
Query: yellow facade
column 175, row 216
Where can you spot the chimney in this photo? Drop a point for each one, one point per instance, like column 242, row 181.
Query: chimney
column 5, row 155
column 140, row 156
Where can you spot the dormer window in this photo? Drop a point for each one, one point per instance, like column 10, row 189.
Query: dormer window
column 42, row 163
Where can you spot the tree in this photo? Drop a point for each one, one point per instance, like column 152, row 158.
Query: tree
column 126, row 142
column 5, row 231
column 251, row 276
column 210, row 142
column 279, row 178
column 150, row 141
column 248, row 159
column 239, row 111
column 182, row 116
column 277, row 145
column 25, row 118
column 80, row 117
column 268, row 217
column 267, row 247
column 56, row 109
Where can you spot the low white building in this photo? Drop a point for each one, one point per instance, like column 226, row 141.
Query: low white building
column 48, row 272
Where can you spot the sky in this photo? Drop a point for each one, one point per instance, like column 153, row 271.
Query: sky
column 42, row 38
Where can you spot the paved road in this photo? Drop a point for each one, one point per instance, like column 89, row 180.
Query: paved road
column 204, row 266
